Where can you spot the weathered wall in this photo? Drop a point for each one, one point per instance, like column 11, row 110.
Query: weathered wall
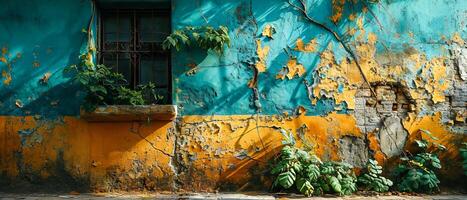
column 231, row 107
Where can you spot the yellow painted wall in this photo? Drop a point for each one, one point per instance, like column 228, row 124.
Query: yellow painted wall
column 215, row 144
column 101, row 155
column 209, row 153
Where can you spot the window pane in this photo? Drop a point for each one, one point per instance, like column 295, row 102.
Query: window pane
column 154, row 70
column 131, row 39
column 119, row 63
column 154, row 28
column 117, row 28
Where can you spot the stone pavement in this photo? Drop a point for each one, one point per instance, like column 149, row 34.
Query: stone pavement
column 223, row 196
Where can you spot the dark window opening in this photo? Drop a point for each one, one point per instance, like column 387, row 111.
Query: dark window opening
column 130, row 42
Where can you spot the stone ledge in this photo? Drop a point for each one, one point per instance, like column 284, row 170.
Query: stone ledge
column 122, row 113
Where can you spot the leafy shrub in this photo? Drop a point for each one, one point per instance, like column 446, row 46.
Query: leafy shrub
column 336, row 177
column 463, row 152
column 206, row 37
column 295, row 167
column 303, row 169
column 371, row 178
column 416, row 172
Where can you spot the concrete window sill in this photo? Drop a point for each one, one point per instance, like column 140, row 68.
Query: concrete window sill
column 123, row 113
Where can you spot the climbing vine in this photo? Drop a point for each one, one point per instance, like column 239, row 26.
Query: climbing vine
column 302, row 7
column 205, row 37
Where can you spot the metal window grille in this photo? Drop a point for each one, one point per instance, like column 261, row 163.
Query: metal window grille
column 130, row 42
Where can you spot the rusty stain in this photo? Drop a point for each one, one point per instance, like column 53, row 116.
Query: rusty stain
column 6, row 74
column 7, row 77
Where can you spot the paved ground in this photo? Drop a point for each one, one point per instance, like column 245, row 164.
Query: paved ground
column 115, row 196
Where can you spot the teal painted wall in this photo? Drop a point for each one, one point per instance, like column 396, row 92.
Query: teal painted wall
column 197, row 153
column 220, row 85
column 49, row 33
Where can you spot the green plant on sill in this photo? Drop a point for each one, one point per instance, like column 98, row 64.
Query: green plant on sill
column 299, row 167
column 463, row 153
column 371, row 178
column 105, row 87
column 206, row 37
column 416, row 172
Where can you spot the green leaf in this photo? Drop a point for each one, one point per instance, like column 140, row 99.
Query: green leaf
column 422, row 143
column 286, row 179
column 297, row 166
column 98, row 88
column 206, row 38
column 426, row 132
column 371, row 180
column 305, row 187
column 279, row 167
column 335, row 185
column 312, row 172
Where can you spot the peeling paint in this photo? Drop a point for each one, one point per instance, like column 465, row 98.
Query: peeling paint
column 268, row 31
column 310, row 47
column 228, row 125
column 291, row 70
column 262, row 53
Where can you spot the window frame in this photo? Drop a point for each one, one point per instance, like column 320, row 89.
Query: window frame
column 135, row 42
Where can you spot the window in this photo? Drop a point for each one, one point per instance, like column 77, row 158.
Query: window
column 130, row 42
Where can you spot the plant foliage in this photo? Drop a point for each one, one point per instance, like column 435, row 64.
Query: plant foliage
column 106, row 87
column 371, row 178
column 463, row 152
column 206, row 37
column 336, row 177
column 302, row 169
column 416, row 172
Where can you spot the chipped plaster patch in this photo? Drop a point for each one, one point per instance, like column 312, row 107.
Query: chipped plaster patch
column 353, row 150
column 462, row 62
column 456, row 38
column 292, row 69
column 392, row 137
column 262, row 53
column 268, row 31
column 310, row 47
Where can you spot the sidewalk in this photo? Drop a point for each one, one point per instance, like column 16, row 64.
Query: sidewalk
column 223, row 196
